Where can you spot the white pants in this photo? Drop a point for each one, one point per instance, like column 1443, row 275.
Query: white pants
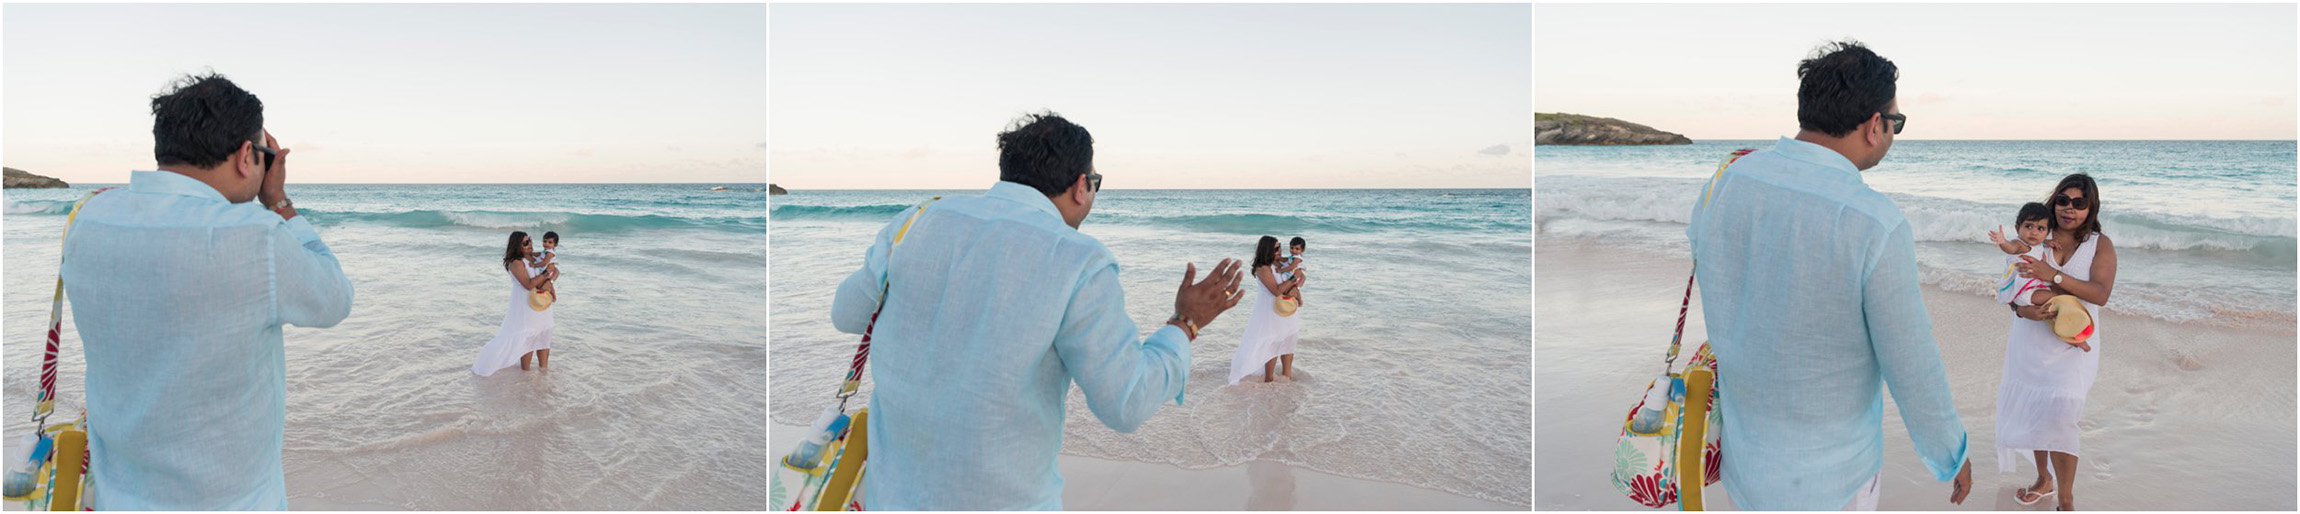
column 1866, row 500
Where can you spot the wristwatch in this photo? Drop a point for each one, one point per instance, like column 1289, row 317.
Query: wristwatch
column 2056, row 276
column 283, row 204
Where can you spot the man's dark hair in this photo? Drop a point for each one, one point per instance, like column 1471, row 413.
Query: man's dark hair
column 2034, row 211
column 202, row 119
column 550, row 236
column 1044, row 151
column 1298, row 242
column 1841, row 85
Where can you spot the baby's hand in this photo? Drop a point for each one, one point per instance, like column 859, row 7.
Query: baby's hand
column 2086, row 346
column 1997, row 235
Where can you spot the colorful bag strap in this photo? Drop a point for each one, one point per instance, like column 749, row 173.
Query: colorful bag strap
column 45, row 403
column 1676, row 339
column 862, row 351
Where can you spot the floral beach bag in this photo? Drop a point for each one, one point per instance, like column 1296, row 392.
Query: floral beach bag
column 1670, row 435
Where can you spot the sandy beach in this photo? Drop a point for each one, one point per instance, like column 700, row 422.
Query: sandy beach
column 1103, row 484
column 2184, row 416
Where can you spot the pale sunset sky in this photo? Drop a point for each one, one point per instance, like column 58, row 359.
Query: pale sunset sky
column 410, row 93
column 1179, row 96
column 2053, row 71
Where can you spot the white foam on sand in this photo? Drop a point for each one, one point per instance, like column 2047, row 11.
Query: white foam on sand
column 2183, row 417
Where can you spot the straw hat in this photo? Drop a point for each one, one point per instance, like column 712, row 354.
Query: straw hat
column 538, row 301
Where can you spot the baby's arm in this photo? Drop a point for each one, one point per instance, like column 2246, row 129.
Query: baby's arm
column 2010, row 247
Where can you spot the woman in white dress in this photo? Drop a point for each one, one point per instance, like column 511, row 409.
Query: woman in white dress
column 1268, row 335
column 526, row 332
column 2045, row 380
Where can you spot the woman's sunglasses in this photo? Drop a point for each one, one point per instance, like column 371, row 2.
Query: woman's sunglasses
column 2067, row 201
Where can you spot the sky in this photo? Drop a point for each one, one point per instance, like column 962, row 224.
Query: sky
column 2058, row 71
column 413, row 93
column 1184, row 96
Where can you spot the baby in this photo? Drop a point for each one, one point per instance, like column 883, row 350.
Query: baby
column 2031, row 224
column 1286, row 268
column 547, row 261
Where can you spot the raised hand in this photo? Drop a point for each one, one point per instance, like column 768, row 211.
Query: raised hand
column 1997, row 235
column 1200, row 301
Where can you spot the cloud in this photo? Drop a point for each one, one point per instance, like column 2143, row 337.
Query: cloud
column 915, row 153
column 1495, row 150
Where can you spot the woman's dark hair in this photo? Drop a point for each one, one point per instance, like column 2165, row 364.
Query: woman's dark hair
column 1298, row 241
column 1841, row 85
column 201, row 120
column 2034, row 212
column 1265, row 251
column 1045, row 152
column 516, row 249
column 550, row 236
column 2080, row 182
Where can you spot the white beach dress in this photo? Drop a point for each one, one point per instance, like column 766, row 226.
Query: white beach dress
column 524, row 330
column 1267, row 334
column 2045, row 380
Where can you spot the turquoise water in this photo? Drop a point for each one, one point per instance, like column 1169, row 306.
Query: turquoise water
column 2204, row 230
column 655, row 399
column 1416, row 337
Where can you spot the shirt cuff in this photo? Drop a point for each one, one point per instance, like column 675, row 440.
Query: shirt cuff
column 1171, row 337
column 302, row 230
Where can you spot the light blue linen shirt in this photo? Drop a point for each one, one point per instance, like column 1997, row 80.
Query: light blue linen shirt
column 1809, row 287
column 178, row 296
column 996, row 307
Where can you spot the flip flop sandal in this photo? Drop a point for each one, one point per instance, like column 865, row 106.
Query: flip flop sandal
column 2023, row 492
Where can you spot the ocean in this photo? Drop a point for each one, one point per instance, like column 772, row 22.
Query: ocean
column 655, row 399
column 1416, row 342
column 2204, row 230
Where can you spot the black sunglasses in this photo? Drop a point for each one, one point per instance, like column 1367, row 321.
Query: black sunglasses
column 1900, row 121
column 1094, row 181
column 2067, row 201
column 267, row 153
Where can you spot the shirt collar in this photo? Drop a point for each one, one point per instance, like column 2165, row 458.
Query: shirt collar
column 172, row 183
column 1025, row 194
column 1816, row 154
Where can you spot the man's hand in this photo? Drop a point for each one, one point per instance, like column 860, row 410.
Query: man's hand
column 1963, row 484
column 274, row 187
column 1201, row 301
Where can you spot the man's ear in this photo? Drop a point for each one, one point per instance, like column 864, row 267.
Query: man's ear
column 244, row 161
column 1874, row 129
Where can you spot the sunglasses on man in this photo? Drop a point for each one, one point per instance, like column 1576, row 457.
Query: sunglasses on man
column 1900, row 121
column 268, row 155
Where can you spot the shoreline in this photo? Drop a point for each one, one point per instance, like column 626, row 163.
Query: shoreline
column 2167, row 392
column 1091, row 483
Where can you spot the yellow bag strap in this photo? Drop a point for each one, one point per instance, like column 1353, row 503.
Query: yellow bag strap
column 1676, row 340
column 862, row 351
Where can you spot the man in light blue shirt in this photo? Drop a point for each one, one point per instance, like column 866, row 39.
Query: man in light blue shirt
column 1809, row 285
column 994, row 304
column 179, row 286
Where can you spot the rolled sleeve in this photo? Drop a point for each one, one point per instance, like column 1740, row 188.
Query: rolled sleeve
column 1125, row 378
column 1901, row 334
column 308, row 283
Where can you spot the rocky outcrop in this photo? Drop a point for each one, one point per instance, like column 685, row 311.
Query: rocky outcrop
column 776, row 190
column 17, row 178
column 1551, row 128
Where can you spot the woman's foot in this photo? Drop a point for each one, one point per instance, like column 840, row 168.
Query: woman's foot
column 2031, row 494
